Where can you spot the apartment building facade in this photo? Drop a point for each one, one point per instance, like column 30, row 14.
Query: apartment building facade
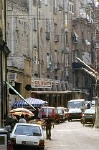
column 45, row 37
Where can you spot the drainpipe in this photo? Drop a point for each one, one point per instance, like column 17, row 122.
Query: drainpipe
column 64, row 43
column 39, row 61
column 1, row 96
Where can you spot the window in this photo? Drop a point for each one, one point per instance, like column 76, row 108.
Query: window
column 34, row 2
column 35, row 56
column 55, row 3
column 46, row 2
column 47, row 26
column 55, row 56
column 34, row 24
column 55, row 28
column 71, row 7
column 47, row 30
column 54, row 7
column 48, row 61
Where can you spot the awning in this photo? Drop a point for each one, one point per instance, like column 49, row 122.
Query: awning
column 51, row 92
column 89, row 72
column 91, row 69
column 32, row 101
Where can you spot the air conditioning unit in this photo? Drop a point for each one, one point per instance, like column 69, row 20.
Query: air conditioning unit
column 13, row 77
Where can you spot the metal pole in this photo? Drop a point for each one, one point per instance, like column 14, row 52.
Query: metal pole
column 0, row 87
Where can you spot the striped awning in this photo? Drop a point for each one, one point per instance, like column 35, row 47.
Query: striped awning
column 33, row 101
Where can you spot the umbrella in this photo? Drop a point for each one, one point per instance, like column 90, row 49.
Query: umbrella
column 19, row 111
column 33, row 101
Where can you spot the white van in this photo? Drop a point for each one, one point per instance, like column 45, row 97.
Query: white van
column 76, row 103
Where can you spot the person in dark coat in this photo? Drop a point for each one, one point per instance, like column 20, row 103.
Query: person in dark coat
column 48, row 123
column 10, row 121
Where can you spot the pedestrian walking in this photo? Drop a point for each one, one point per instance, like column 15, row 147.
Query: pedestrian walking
column 48, row 124
column 40, row 113
column 22, row 119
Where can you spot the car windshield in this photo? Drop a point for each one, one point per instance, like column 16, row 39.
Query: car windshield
column 91, row 111
column 28, row 130
column 75, row 104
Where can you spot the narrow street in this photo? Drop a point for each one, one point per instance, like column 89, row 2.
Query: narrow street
column 73, row 136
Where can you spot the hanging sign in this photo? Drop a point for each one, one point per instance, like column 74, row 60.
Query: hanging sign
column 41, row 83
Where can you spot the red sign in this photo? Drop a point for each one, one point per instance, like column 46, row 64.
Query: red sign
column 41, row 83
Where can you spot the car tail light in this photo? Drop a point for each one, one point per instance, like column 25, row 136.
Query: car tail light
column 10, row 147
column 81, row 115
column 13, row 141
column 68, row 115
column 41, row 143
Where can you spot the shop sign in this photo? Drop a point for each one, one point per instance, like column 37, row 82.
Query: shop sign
column 41, row 83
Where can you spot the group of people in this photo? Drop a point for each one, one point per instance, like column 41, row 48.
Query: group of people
column 11, row 120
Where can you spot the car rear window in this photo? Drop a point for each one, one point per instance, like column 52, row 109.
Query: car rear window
column 91, row 111
column 60, row 111
column 28, row 130
column 49, row 110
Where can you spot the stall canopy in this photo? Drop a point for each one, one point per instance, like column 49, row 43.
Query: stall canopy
column 32, row 101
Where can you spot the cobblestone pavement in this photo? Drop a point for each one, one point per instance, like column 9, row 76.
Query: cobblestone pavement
column 73, row 136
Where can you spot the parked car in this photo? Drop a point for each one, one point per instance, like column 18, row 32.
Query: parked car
column 61, row 111
column 93, row 103
column 27, row 136
column 50, row 111
column 74, row 113
column 88, row 117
